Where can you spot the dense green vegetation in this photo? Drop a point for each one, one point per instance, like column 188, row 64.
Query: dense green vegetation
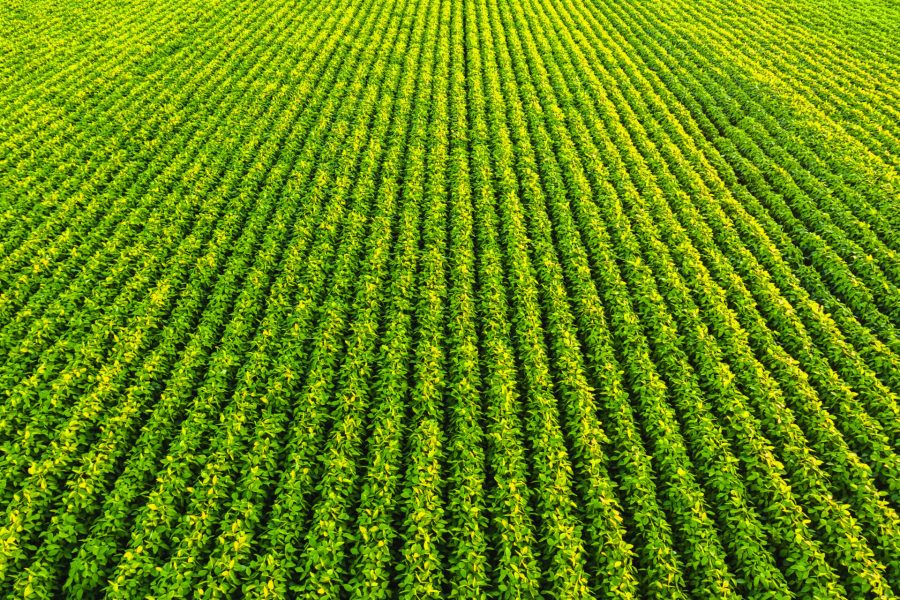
column 450, row 299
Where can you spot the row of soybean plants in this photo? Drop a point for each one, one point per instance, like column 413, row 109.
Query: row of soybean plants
column 864, row 572
column 859, row 415
column 684, row 526
column 583, row 548
column 820, row 331
column 481, row 298
column 851, row 105
column 841, row 179
column 770, row 118
column 175, row 338
column 866, row 502
column 196, row 505
column 56, row 412
column 406, row 537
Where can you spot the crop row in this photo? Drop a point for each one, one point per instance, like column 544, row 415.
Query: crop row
column 449, row 298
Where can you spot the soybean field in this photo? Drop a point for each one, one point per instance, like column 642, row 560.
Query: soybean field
column 450, row 299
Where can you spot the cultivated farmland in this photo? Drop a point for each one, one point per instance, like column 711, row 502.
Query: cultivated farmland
column 450, row 299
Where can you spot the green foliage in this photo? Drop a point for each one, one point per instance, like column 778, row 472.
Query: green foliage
column 450, row 299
